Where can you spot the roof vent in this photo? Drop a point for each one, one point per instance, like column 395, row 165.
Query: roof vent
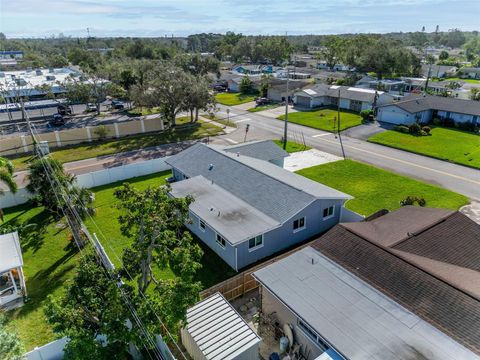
column 210, row 167
column 238, row 154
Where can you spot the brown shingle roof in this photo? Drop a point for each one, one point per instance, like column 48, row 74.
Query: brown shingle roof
column 434, row 272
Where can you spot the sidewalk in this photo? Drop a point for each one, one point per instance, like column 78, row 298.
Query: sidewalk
column 275, row 113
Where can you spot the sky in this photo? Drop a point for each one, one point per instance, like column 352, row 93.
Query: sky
column 44, row 18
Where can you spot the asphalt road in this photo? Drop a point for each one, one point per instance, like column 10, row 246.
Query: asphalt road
column 458, row 178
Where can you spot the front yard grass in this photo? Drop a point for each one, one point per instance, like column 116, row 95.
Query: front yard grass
column 292, row 147
column 452, row 145
column 50, row 259
column 231, row 99
column 471, row 81
column 374, row 189
column 324, row 119
column 187, row 131
column 264, row 107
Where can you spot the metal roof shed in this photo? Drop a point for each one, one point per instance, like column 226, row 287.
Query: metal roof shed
column 215, row 331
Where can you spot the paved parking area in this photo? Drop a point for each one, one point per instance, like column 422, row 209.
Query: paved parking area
column 304, row 159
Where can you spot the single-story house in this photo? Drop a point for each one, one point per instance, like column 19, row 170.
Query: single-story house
column 351, row 98
column 439, row 71
column 247, row 208
column 401, row 286
column 248, row 69
column 337, row 67
column 418, row 108
column 470, row 72
column 234, row 82
column 277, row 90
column 215, row 331
column 12, row 280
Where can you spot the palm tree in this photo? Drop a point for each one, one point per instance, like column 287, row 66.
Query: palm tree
column 6, row 177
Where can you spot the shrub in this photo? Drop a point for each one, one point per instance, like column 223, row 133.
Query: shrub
column 437, row 121
column 101, row 131
column 423, row 133
column 414, row 129
column 402, row 128
column 448, row 122
column 467, row 126
column 366, row 114
column 411, row 200
column 426, row 129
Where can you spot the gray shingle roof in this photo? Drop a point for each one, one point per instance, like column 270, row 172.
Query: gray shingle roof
column 416, row 103
column 263, row 149
column 270, row 189
column 228, row 215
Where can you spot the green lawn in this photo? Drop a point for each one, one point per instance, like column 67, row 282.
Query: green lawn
column 292, row 146
column 219, row 120
column 324, row 119
column 263, row 107
column 82, row 151
column 374, row 189
column 231, row 99
column 471, row 81
column 50, row 260
column 143, row 111
column 447, row 144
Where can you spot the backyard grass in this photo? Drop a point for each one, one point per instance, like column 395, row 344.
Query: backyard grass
column 292, row 146
column 263, row 107
column 112, row 146
column 374, row 189
column 143, row 111
column 50, row 260
column 324, row 119
column 231, row 99
column 446, row 144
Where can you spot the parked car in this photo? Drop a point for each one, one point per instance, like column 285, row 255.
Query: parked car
column 57, row 120
column 118, row 105
column 263, row 101
column 91, row 107
column 63, row 110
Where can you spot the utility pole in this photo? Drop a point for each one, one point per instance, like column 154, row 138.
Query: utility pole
column 286, row 112
column 338, row 124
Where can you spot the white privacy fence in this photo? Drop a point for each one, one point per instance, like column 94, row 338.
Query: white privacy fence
column 50, row 351
column 96, row 178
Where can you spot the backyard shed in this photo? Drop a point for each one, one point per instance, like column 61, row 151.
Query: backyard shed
column 216, row 331
column 12, row 281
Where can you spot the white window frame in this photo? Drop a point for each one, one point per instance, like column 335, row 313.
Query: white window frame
column 312, row 335
column 331, row 215
column 217, row 236
column 200, row 222
column 299, row 228
column 257, row 246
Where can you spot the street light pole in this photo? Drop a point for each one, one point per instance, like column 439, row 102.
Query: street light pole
column 286, row 113
column 338, row 124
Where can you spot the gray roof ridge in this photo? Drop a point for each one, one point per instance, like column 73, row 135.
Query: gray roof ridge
column 232, row 156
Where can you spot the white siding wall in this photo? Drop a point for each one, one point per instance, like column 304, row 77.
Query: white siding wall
column 394, row 115
column 456, row 116
column 345, row 103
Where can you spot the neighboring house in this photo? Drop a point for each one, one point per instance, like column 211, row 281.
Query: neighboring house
column 234, row 82
column 470, row 72
column 439, row 71
column 11, row 54
column 401, row 286
column 351, row 98
column 215, row 331
column 337, row 67
column 248, row 69
column 247, row 208
column 277, row 90
column 418, row 108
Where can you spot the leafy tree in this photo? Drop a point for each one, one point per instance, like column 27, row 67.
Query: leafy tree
column 197, row 65
column 332, row 51
column 57, row 61
column 245, row 86
column 91, row 306
column 472, row 48
column 443, row 55
column 6, row 178
column 475, row 94
column 200, row 97
column 155, row 221
column 418, row 39
column 46, row 193
column 11, row 347
column 454, row 38
column 264, row 85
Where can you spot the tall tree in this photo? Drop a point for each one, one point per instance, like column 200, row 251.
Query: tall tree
column 92, row 306
column 332, row 50
column 155, row 221
column 200, row 97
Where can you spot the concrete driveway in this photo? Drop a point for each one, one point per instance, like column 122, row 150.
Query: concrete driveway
column 364, row 131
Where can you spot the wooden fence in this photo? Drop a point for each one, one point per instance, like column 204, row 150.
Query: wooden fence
column 244, row 282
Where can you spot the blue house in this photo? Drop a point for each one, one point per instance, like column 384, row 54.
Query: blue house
column 245, row 206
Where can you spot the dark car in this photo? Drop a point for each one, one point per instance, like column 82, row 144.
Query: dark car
column 118, row 105
column 58, row 120
column 263, row 101
column 64, row 109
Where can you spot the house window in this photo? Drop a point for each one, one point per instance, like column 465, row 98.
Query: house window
column 310, row 333
column 255, row 243
column 328, row 212
column 299, row 224
column 221, row 241
column 201, row 225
